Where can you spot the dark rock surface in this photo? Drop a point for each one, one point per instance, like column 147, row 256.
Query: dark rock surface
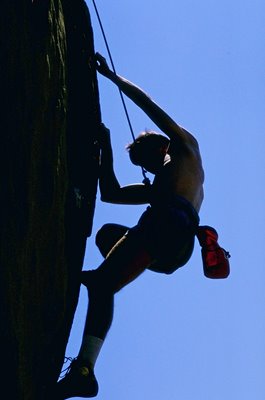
column 49, row 168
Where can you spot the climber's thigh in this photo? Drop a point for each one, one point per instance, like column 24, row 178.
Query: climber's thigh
column 125, row 262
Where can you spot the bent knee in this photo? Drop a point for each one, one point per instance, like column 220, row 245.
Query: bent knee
column 108, row 235
column 102, row 234
column 100, row 284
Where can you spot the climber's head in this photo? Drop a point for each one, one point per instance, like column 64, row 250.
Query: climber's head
column 149, row 150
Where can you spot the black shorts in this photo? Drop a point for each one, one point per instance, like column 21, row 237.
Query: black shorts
column 168, row 233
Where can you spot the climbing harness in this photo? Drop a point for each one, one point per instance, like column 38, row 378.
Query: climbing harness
column 146, row 180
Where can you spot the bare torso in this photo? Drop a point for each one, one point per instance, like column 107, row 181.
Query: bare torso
column 181, row 175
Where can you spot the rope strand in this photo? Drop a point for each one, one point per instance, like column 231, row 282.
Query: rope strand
column 146, row 180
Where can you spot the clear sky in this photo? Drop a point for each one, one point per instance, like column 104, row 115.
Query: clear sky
column 185, row 336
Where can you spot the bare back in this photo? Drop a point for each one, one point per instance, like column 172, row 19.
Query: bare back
column 182, row 173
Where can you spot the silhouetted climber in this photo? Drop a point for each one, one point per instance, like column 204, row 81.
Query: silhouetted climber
column 163, row 238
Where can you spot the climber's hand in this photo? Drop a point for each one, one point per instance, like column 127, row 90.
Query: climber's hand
column 103, row 136
column 102, row 65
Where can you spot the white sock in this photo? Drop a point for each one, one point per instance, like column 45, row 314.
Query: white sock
column 90, row 349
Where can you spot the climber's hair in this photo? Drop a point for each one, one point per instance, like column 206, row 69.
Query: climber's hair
column 145, row 141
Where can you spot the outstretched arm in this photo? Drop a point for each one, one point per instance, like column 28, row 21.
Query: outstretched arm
column 110, row 189
column 164, row 122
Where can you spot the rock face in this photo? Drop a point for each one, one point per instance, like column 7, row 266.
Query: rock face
column 49, row 168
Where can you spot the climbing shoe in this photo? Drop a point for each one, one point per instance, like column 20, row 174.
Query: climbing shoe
column 79, row 381
column 215, row 258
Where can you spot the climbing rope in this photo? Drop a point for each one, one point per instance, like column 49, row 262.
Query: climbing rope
column 145, row 180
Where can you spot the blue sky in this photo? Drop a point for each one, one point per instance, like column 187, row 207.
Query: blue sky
column 185, row 336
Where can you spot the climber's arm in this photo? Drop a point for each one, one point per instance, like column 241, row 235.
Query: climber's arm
column 139, row 97
column 110, row 189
